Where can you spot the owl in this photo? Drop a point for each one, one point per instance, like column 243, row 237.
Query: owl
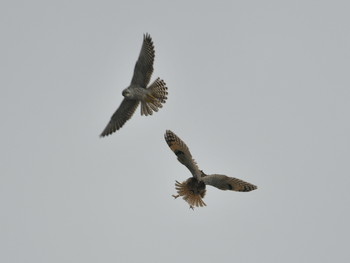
column 194, row 188
column 151, row 97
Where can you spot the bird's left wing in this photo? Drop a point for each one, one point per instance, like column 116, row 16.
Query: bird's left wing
column 144, row 65
column 224, row 182
column 120, row 116
column 182, row 152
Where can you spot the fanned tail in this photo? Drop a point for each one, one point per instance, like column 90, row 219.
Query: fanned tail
column 190, row 196
column 157, row 95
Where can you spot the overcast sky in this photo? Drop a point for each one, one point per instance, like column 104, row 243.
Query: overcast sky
column 259, row 90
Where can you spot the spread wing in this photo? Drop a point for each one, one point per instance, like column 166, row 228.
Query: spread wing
column 182, row 152
column 144, row 65
column 224, row 182
column 121, row 115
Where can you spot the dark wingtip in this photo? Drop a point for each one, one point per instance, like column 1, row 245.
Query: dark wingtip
column 167, row 131
column 147, row 36
column 103, row 134
column 250, row 188
column 106, row 133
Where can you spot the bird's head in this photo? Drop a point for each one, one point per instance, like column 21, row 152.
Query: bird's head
column 126, row 93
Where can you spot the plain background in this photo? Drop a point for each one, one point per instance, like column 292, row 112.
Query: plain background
column 258, row 90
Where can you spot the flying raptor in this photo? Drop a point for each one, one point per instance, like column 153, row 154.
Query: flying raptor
column 151, row 97
column 193, row 189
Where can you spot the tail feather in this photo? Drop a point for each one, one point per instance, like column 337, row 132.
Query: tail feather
column 190, row 194
column 156, row 97
column 145, row 110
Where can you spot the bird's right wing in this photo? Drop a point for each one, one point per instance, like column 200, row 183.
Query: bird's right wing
column 144, row 65
column 121, row 115
column 224, row 182
column 182, row 152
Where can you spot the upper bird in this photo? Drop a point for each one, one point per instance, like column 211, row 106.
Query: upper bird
column 151, row 97
column 193, row 189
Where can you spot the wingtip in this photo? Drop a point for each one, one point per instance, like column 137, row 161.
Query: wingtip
column 147, row 36
column 167, row 132
column 107, row 132
column 168, row 135
column 103, row 134
column 250, row 187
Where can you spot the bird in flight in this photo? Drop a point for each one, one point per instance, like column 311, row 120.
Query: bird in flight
column 151, row 97
column 193, row 189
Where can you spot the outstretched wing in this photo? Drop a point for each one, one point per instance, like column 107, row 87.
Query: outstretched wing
column 121, row 115
column 224, row 182
column 144, row 65
column 182, row 152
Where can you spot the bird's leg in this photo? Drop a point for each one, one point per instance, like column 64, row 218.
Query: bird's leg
column 175, row 196
column 191, row 207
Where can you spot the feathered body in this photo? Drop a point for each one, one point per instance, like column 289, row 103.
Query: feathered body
column 194, row 188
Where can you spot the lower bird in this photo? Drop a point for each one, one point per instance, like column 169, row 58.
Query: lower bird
column 193, row 189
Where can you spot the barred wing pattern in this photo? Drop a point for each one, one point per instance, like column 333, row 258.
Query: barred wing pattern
column 224, row 182
column 122, row 114
column 182, row 152
column 193, row 189
column 144, row 66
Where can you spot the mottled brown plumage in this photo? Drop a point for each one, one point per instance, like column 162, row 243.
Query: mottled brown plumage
column 194, row 188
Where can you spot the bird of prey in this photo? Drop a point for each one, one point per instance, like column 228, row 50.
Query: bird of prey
column 151, row 97
column 193, row 189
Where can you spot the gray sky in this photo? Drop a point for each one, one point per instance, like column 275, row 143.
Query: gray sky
column 259, row 90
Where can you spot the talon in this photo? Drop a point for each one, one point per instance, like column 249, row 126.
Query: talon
column 175, row 196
